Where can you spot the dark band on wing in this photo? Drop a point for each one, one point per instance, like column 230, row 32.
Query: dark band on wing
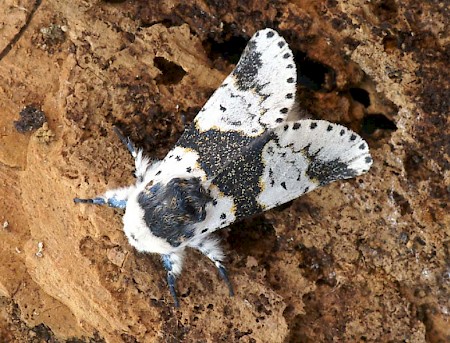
column 215, row 148
column 325, row 172
column 241, row 178
column 233, row 162
column 247, row 70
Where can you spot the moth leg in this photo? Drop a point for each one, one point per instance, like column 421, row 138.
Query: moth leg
column 224, row 275
column 126, row 141
column 210, row 247
column 141, row 162
column 116, row 198
column 173, row 264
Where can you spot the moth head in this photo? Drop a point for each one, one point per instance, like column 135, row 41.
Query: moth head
column 166, row 213
column 139, row 234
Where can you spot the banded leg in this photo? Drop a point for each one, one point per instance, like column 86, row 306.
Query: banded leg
column 116, row 198
column 141, row 162
column 126, row 141
column 210, row 248
column 172, row 264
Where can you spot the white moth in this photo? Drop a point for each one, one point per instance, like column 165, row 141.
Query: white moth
column 239, row 157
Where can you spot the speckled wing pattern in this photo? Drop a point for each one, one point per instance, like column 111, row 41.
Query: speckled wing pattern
column 246, row 105
column 285, row 163
column 245, row 152
column 297, row 158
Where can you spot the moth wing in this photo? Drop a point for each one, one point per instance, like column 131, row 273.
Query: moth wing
column 249, row 100
column 308, row 154
column 238, row 115
column 246, row 105
column 292, row 160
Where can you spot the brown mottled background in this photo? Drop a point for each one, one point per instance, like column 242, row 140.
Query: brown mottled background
column 362, row 260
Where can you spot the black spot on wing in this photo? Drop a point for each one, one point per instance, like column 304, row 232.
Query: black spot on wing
column 171, row 210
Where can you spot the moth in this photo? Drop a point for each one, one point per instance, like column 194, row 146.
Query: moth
column 240, row 156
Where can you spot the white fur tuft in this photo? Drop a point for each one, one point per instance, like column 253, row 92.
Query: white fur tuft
column 121, row 193
column 139, row 234
column 208, row 246
column 176, row 259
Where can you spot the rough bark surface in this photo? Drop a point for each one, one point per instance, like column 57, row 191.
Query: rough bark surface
column 361, row 260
